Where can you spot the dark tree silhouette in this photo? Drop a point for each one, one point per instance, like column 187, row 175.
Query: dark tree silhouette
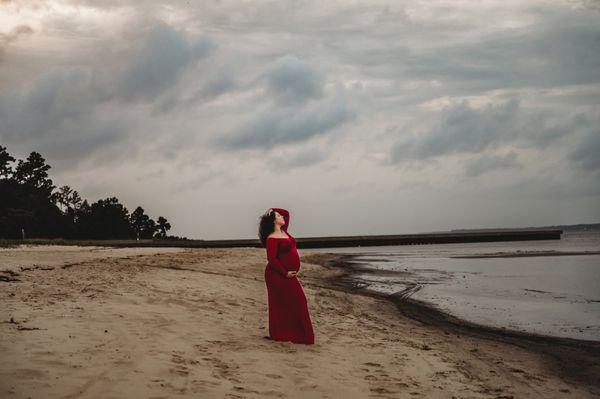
column 5, row 160
column 150, row 229
column 67, row 199
column 69, row 203
column 34, row 172
column 106, row 219
column 26, row 205
column 31, row 205
column 84, row 209
column 163, row 226
column 143, row 226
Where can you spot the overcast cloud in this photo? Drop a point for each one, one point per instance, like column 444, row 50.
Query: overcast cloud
column 359, row 117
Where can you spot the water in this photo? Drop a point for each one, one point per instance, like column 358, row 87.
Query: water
column 552, row 295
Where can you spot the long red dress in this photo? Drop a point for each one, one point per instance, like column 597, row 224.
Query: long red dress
column 289, row 319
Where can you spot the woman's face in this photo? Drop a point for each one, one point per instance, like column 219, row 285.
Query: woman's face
column 279, row 220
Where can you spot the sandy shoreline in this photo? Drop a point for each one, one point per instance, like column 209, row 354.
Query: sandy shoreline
column 162, row 323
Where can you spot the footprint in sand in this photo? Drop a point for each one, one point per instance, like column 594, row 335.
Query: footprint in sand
column 274, row 376
column 372, row 364
column 179, row 364
column 381, row 381
column 202, row 348
column 381, row 390
column 232, row 345
column 244, row 389
column 220, row 368
column 301, row 365
column 223, row 370
column 273, row 393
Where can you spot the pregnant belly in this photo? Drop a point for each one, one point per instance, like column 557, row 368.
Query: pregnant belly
column 292, row 261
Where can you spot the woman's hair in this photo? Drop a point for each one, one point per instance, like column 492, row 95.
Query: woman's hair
column 266, row 226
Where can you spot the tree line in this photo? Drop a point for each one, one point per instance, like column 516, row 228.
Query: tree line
column 31, row 206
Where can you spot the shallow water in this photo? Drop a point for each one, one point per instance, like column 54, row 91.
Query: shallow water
column 554, row 295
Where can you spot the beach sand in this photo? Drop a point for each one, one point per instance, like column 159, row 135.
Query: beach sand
column 91, row 322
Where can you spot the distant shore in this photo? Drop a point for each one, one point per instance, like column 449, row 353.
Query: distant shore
column 147, row 322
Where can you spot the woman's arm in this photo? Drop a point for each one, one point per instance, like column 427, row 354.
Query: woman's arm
column 274, row 262
column 286, row 217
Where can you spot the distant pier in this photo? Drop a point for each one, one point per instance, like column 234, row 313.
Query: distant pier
column 326, row 242
column 428, row 238
column 404, row 239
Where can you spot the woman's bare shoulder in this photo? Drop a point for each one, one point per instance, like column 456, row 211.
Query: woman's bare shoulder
column 273, row 235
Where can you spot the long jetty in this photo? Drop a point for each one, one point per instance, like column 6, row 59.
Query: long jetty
column 327, row 242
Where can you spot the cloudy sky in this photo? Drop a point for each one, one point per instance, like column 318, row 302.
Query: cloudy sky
column 359, row 117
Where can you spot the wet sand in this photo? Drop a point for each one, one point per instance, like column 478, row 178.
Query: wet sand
column 162, row 323
column 575, row 360
column 553, row 294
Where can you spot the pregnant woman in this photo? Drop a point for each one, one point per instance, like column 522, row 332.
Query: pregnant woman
column 289, row 319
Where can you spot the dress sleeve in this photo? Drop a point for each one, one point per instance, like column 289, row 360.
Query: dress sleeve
column 274, row 262
column 286, row 217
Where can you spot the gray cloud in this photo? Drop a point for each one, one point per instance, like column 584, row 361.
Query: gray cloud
column 276, row 126
column 461, row 129
column 62, row 117
column 527, row 56
column 15, row 34
column 558, row 46
column 159, row 60
column 292, row 81
column 478, row 166
column 303, row 158
column 222, row 82
column 464, row 129
column 37, row 110
column 217, row 86
column 76, row 113
column 586, row 155
column 287, row 116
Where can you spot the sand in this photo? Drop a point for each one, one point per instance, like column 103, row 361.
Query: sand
column 90, row 322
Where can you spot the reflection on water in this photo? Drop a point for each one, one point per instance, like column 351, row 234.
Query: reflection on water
column 555, row 295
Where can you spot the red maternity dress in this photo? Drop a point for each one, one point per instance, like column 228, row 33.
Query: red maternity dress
column 289, row 319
